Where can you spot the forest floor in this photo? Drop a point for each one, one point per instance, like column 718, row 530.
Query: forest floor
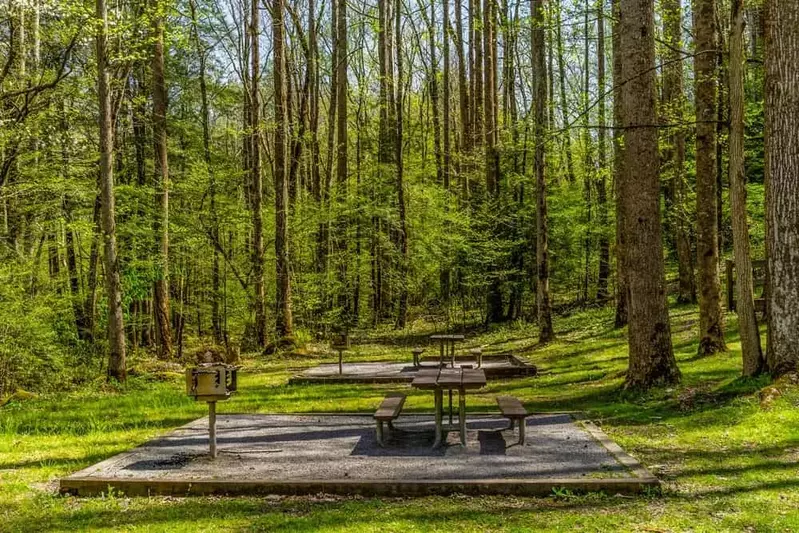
column 727, row 449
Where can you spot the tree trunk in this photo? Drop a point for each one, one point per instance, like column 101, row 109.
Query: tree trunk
column 256, row 181
column 434, row 102
column 445, row 274
column 201, row 54
column 161, row 220
column 475, row 19
column 402, row 311
column 651, row 356
column 283, row 322
column 342, row 161
column 753, row 361
column 622, row 286
column 601, row 182
column 674, row 152
column 711, row 326
column 538, row 42
column 563, row 103
column 782, row 183
column 116, row 328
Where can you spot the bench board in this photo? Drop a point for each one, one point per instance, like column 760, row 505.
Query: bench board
column 390, row 407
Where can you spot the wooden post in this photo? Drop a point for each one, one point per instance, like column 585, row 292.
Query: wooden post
column 212, row 428
column 340, row 362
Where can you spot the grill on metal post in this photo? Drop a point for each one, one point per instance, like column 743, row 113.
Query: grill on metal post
column 210, row 383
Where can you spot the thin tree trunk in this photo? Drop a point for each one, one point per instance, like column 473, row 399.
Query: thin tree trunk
column 284, row 323
column 622, row 286
column 782, row 183
column 434, row 101
column 545, row 331
column 753, row 361
column 161, row 220
column 651, row 356
column 711, row 324
column 445, row 274
column 674, row 152
column 116, row 328
column 402, row 311
column 256, row 180
column 201, row 54
column 602, row 293
column 563, row 102
column 342, row 161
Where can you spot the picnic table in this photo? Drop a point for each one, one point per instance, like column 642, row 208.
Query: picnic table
column 447, row 343
column 449, row 379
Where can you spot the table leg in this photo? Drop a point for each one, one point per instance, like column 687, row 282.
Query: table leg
column 450, row 407
column 441, row 358
column 462, row 415
column 439, row 415
column 452, row 354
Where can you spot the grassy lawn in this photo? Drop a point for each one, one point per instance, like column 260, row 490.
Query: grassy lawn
column 729, row 461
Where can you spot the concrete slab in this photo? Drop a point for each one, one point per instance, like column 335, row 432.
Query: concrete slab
column 502, row 366
column 299, row 454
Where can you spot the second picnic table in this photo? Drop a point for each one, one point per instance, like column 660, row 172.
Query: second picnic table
column 449, row 379
column 447, row 343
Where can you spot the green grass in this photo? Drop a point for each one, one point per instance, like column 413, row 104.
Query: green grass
column 727, row 462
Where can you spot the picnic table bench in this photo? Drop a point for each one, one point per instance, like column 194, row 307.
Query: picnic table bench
column 513, row 410
column 389, row 410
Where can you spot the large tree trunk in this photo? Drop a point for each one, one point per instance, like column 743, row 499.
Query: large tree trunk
column 622, row 287
column 753, row 361
column 711, row 325
column 674, row 152
column 256, row 181
column 651, row 356
column 161, row 220
column 782, row 183
column 283, row 322
column 538, row 42
column 116, row 328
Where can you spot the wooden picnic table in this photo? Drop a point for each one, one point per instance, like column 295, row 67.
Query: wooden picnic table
column 449, row 379
column 447, row 343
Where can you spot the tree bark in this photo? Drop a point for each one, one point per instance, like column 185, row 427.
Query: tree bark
column 711, row 324
column 563, row 102
column 116, row 328
column 162, row 185
column 284, row 324
column 753, row 361
column 782, row 183
column 602, row 293
column 674, row 152
column 341, row 162
column 546, row 332
column 651, row 356
column 216, row 325
column 402, row 311
column 622, row 286
column 256, row 180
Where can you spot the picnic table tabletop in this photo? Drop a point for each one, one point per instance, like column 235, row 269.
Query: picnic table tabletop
column 447, row 337
column 450, row 378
